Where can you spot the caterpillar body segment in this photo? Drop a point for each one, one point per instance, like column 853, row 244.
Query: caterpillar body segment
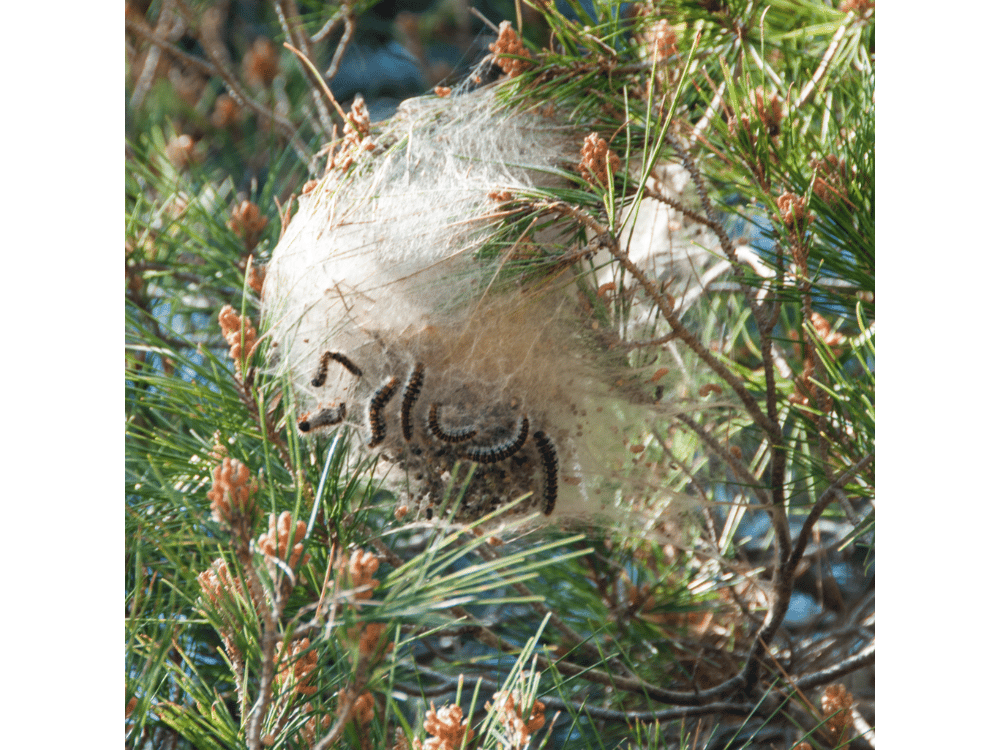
column 410, row 396
column 376, row 411
column 550, row 463
column 444, row 435
column 324, row 365
column 491, row 454
column 323, row 418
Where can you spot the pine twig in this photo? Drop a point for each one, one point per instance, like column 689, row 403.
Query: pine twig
column 349, row 696
column 345, row 40
column 269, row 641
column 330, row 25
column 824, row 500
column 167, row 26
column 611, row 243
column 219, row 68
column 864, row 658
column 291, row 24
column 749, row 481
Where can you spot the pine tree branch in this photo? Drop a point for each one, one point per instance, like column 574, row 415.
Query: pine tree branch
column 864, row 658
column 749, row 481
column 345, row 41
column 214, row 69
column 291, row 24
column 347, row 698
column 611, row 243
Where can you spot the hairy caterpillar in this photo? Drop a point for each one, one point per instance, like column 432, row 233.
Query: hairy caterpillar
column 324, row 364
column 376, row 419
column 410, row 395
column 323, row 418
column 446, row 436
column 491, row 454
column 550, row 462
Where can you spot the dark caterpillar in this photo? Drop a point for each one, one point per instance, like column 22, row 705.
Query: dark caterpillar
column 324, row 364
column 410, row 395
column 550, row 462
column 376, row 419
column 323, row 418
column 446, row 436
column 490, row 454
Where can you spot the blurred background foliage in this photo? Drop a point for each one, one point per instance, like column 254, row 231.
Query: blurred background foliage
column 620, row 641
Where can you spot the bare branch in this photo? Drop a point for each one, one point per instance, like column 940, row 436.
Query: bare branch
column 749, row 481
column 864, row 658
column 666, row 310
column 168, row 27
column 329, row 26
column 347, row 706
column 828, row 496
column 345, row 40
column 218, row 67
column 291, row 24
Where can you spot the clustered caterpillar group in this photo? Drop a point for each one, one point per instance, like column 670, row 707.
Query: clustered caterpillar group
column 508, row 391
column 439, row 446
column 328, row 417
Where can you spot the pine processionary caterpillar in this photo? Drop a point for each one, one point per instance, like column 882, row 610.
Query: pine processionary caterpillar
column 323, row 418
column 410, row 395
column 324, row 364
column 550, row 462
column 376, row 419
column 490, row 454
column 446, row 436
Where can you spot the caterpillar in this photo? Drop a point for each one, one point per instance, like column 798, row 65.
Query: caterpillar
column 550, row 462
column 490, row 454
column 323, row 418
column 324, row 364
column 376, row 419
column 410, row 395
column 446, row 436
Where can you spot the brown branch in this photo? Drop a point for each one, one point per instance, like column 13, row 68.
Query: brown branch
column 667, row 311
column 350, row 695
column 785, row 570
column 678, row 206
column 218, row 67
column 865, row 657
column 765, row 324
column 329, row 26
column 345, row 40
column 269, row 640
column 828, row 496
column 167, row 26
column 748, row 479
column 291, row 24
column 628, row 346
column 195, row 62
